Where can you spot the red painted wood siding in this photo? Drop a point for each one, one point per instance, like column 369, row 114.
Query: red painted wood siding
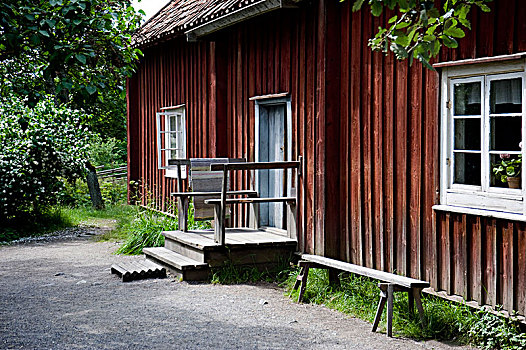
column 367, row 128
column 170, row 75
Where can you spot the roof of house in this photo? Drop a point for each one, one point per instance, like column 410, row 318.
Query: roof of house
column 179, row 17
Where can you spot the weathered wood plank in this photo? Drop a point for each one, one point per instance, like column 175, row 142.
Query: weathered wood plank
column 365, row 271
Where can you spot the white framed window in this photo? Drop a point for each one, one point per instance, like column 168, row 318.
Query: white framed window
column 482, row 133
column 171, row 138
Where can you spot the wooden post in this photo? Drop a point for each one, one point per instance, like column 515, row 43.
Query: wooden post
column 93, row 186
column 304, row 275
column 418, row 301
column 253, row 214
column 223, row 206
column 411, row 302
column 217, row 223
column 182, row 202
column 390, row 300
column 381, row 305
column 182, row 211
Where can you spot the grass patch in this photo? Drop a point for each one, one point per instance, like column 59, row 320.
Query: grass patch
column 358, row 296
column 118, row 217
column 232, row 274
column 34, row 224
column 145, row 229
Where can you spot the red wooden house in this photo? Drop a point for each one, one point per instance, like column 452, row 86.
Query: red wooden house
column 398, row 160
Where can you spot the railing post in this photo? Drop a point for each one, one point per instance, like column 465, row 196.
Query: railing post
column 223, row 205
column 182, row 203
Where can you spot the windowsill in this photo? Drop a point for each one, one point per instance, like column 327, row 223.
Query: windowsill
column 480, row 212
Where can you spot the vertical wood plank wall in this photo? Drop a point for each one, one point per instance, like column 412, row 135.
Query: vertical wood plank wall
column 366, row 125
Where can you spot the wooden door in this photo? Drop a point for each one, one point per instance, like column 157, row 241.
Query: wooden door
column 272, row 147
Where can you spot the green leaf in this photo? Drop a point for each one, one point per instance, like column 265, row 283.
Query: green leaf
column 402, row 40
column 455, row 32
column 51, row 23
column 44, row 33
column 81, row 58
column 91, row 89
column 484, row 8
column 376, row 9
column 392, row 19
column 402, row 25
column 449, row 42
column 357, row 5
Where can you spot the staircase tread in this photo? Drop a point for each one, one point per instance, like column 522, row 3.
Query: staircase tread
column 193, row 239
column 172, row 258
column 237, row 237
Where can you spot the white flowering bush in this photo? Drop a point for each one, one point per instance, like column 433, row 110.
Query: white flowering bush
column 39, row 148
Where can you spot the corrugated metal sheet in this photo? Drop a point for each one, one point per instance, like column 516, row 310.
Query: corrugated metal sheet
column 178, row 16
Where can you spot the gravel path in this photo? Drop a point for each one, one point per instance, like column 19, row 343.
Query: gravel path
column 59, row 294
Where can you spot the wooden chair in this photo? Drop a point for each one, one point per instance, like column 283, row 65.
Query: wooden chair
column 203, row 184
column 220, row 205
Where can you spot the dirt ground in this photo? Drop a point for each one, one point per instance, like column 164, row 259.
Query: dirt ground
column 59, row 294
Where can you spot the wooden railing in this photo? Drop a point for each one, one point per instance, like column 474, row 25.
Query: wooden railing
column 118, row 172
column 220, row 204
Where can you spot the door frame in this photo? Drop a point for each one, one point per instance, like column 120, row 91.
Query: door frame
column 288, row 126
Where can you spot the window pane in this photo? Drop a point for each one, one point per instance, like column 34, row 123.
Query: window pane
column 467, row 134
column 180, row 122
column 467, row 169
column 503, row 165
column 505, row 133
column 505, row 96
column 467, row 98
column 173, row 141
column 172, row 123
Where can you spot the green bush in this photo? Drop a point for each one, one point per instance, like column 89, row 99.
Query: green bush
column 76, row 194
column 489, row 331
column 114, row 191
column 39, row 147
column 110, row 152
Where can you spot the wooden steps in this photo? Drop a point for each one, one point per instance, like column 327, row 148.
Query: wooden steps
column 134, row 270
column 186, row 268
column 190, row 255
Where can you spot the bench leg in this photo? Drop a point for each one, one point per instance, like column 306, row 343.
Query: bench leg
column 418, row 301
column 390, row 300
column 304, row 276
column 411, row 302
column 381, row 305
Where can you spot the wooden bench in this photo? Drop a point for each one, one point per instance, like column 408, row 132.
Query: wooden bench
column 202, row 184
column 220, row 205
column 392, row 283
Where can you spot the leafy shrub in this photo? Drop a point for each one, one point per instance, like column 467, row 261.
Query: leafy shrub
column 114, row 191
column 493, row 332
column 76, row 194
column 38, row 147
column 110, row 152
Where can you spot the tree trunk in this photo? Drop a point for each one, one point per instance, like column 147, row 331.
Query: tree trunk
column 94, row 188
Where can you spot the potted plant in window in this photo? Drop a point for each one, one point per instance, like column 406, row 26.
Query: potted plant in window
column 508, row 170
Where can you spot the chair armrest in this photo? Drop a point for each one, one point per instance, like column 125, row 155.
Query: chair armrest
column 252, row 200
column 205, row 194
